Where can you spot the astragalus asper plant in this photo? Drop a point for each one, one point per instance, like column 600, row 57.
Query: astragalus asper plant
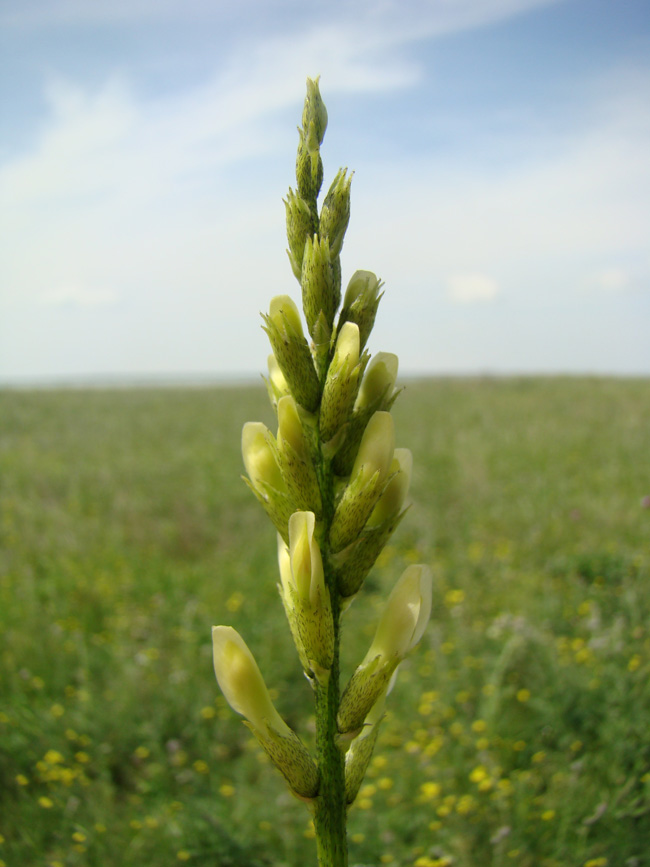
column 334, row 485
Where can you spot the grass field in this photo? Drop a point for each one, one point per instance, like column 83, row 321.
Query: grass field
column 519, row 731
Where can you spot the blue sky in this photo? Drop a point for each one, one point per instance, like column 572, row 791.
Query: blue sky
column 501, row 151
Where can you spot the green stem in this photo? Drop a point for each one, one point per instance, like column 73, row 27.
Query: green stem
column 330, row 814
column 330, row 808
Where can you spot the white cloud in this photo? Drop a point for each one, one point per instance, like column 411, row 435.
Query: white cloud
column 81, row 148
column 78, row 296
column 471, row 288
column 612, row 280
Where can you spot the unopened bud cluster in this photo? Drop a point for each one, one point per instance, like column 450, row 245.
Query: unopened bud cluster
column 330, row 479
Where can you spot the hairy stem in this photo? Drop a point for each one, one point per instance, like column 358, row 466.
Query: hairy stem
column 330, row 809
column 330, row 812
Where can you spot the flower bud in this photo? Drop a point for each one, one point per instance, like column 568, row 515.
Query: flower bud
column 245, row 691
column 369, row 475
column 290, row 431
column 284, row 328
column 361, row 302
column 314, row 110
column 260, row 454
column 287, row 595
column 305, row 597
column 400, row 628
column 276, row 385
column 300, row 226
column 321, row 339
column 375, row 393
column 378, row 382
column 295, row 458
column 362, row 288
column 285, row 316
column 317, row 280
column 347, row 348
column 259, row 457
column 305, row 557
column 376, row 448
column 342, row 381
column 392, row 498
column 335, row 213
column 309, row 167
column 405, row 616
column 241, row 681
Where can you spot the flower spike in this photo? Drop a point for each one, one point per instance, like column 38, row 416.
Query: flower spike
column 335, row 487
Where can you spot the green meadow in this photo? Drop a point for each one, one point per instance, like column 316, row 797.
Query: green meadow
column 518, row 732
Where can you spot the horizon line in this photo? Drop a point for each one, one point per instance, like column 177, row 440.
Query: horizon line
column 248, row 379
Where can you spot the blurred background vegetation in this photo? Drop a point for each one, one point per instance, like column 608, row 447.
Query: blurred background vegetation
column 518, row 731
